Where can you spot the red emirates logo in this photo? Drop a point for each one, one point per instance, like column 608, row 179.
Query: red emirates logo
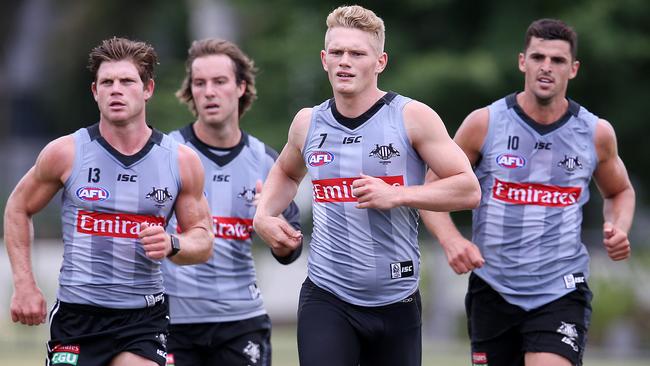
column 114, row 225
column 340, row 189
column 232, row 228
column 479, row 358
column 72, row 348
column 535, row 194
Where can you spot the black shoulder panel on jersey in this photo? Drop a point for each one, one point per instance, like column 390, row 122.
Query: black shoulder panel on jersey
column 187, row 132
column 271, row 152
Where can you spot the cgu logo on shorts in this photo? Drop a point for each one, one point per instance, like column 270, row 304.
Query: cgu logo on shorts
column 235, row 228
column 340, row 189
column 535, row 194
column 114, row 224
column 319, row 158
column 92, row 194
column 67, row 354
column 511, row 161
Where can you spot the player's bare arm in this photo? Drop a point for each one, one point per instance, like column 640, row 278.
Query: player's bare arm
column 617, row 191
column 34, row 191
column 457, row 188
column 280, row 188
column 193, row 215
column 462, row 255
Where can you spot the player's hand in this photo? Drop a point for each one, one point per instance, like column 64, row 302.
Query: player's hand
column 278, row 234
column 372, row 192
column 28, row 305
column 155, row 241
column 462, row 255
column 258, row 192
column 616, row 242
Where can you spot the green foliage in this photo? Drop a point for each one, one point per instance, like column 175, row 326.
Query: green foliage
column 453, row 55
column 612, row 302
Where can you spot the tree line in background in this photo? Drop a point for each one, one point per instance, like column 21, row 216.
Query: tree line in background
column 455, row 56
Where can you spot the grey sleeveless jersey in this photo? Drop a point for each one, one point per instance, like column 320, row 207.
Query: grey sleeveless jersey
column 224, row 288
column 366, row 257
column 105, row 200
column 535, row 180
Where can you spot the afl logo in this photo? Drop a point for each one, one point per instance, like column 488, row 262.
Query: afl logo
column 92, row 194
column 318, row 158
column 511, row 161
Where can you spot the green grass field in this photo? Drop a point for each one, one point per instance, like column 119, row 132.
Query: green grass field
column 24, row 346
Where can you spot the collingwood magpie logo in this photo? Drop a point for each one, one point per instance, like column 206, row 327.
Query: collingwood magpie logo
column 384, row 152
column 570, row 163
column 159, row 195
column 252, row 350
column 570, row 334
column 247, row 193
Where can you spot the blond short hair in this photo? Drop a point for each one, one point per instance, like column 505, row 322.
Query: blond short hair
column 358, row 17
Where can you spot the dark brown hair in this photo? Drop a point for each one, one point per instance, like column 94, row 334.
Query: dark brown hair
column 550, row 29
column 142, row 55
column 244, row 71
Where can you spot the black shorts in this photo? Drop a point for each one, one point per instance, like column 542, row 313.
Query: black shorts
column 85, row 335
column 242, row 342
column 332, row 332
column 502, row 333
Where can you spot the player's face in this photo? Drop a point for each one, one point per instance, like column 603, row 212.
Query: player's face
column 548, row 67
column 215, row 90
column 351, row 61
column 119, row 92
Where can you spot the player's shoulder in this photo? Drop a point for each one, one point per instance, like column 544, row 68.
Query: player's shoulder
column 416, row 111
column 478, row 118
column 60, row 149
column 605, row 137
column 303, row 117
column 301, row 122
column 57, row 157
column 258, row 146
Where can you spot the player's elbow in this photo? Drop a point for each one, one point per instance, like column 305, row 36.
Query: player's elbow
column 475, row 197
column 472, row 195
column 207, row 249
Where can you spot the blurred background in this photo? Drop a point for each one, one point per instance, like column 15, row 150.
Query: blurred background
column 455, row 56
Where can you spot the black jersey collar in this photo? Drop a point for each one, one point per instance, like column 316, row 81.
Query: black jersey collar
column 127, row 160
column 542, row 129
column 231, row 152
column 354, row 123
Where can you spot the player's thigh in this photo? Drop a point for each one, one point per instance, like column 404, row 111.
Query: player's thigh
column 325, row 334
column 502, row 350
column 559, row 328
column 493, row 326
column 401, row 341
column 253, row 348
column 545, row 359
column 184, row 344
column 131, row 359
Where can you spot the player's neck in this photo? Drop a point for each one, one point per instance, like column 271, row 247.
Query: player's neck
column 353, row 105
column 126, row 137
column 222, row 135
column 543, row 111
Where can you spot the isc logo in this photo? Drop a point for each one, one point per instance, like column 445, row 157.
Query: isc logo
column 511, row 161
column 318, row 158
column 92, row 193
column 401, row 269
